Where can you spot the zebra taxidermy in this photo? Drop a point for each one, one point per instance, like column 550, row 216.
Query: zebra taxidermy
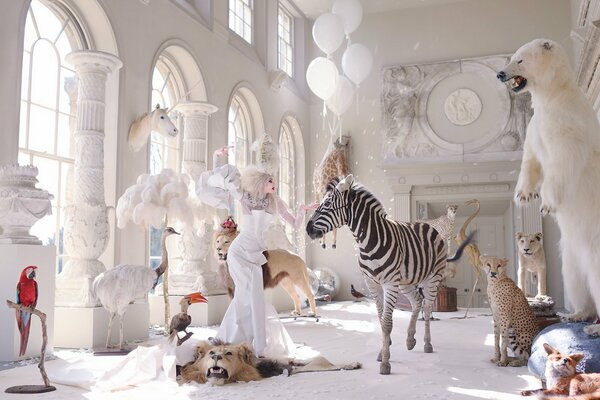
column 394, row 256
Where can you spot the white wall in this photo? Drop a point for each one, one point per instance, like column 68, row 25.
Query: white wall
column 140, row 31
column 421, row 35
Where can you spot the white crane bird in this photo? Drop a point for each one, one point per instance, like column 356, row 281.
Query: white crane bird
column 119, row 286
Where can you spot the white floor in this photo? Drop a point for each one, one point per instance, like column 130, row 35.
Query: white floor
column 459, row 368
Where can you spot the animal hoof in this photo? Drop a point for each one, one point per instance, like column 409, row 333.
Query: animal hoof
column 410, row 343
column 324, row 245
column 334, row 246
column 379, row 357
column 385, row 368
column 428, row 348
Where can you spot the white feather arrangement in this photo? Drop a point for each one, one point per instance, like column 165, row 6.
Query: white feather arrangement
column 152, row 197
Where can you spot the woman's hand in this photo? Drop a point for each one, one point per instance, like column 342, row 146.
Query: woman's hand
column 309, row 207
column 223, row 151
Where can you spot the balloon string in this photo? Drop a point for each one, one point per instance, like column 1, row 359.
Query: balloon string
column 324, row 115
column 357, row 101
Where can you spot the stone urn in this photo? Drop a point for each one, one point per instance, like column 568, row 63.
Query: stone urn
column 21, row 203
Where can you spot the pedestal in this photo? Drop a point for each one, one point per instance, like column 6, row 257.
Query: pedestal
column 203, row 314
column 86, row 327
column 13, row 258
column 445, row 300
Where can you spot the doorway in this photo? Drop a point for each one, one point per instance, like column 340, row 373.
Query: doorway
column 494, row 226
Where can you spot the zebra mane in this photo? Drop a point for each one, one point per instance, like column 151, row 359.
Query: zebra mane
column 359, row 189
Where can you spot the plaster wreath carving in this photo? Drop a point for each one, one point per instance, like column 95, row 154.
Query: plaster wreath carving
column 21, row 203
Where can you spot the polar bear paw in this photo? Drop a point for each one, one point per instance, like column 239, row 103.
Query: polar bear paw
column 546, row 210
column 525, row 196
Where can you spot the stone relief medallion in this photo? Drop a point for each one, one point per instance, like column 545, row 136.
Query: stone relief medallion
column 462, row 107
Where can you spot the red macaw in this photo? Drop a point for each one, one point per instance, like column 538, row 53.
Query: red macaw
column 27, row 295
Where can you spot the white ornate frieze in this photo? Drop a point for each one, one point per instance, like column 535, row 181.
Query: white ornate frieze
column 451, row 112
column 21, row 203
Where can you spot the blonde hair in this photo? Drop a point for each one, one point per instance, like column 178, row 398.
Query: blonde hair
column 254, row 181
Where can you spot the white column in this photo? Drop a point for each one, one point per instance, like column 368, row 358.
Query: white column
column 86, row 221
column 402, row 203
column 197, row 270
column 195, row 136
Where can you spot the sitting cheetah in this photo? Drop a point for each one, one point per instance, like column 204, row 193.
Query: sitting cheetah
column 514, row 321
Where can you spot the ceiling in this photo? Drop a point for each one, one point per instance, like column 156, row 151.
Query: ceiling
column 313, row 8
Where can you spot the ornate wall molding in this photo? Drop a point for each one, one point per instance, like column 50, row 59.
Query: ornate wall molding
column 451, row 110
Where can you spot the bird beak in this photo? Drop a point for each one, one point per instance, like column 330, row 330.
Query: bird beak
column 175, row 232
column 196, row 298
column 31, row 274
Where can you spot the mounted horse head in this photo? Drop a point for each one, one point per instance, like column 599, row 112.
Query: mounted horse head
column 158, row 121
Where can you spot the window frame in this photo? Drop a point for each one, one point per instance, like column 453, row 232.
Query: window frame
column 246, row 25
column 289, row 42
column 77, row 37
column 287, row 155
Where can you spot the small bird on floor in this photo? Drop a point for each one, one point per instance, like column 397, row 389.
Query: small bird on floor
column 181, row 321
column 355, row 293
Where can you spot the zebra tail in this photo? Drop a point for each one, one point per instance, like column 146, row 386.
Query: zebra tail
column 462, row 246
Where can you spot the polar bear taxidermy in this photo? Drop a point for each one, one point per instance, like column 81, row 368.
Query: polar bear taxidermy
column 531, row 259
column 561, row 164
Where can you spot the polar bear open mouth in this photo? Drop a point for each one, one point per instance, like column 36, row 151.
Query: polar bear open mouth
column 517, row 83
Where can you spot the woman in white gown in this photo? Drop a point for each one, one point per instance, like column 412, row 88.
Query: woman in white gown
column 250, row 318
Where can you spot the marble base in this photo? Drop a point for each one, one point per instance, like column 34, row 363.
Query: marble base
column 542, row 307
column 86, row 327
column 203, row 314
column 13, row 258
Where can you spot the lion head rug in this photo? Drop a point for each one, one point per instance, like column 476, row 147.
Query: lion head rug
column 219, row 363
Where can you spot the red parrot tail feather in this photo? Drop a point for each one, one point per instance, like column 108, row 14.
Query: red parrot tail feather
column 24, row 325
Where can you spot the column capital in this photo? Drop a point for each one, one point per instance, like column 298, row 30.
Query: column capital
column 93, row 60
column 195, row 108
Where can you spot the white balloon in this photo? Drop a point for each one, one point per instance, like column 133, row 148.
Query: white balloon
column 350, row 11
column 357, row 62
column 328, row 32
column 322, row 76
column 342, row 98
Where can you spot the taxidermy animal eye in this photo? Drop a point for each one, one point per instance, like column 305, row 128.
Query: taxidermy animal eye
column 229, row 353
column 162, row 117
column 519, row 62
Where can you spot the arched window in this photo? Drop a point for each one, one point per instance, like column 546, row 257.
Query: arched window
column 165, row 152
column 287, row 181
column 48, row 103
column 239, row 131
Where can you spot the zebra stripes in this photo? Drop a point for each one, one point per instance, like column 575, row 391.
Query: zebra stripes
column 394, row 256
